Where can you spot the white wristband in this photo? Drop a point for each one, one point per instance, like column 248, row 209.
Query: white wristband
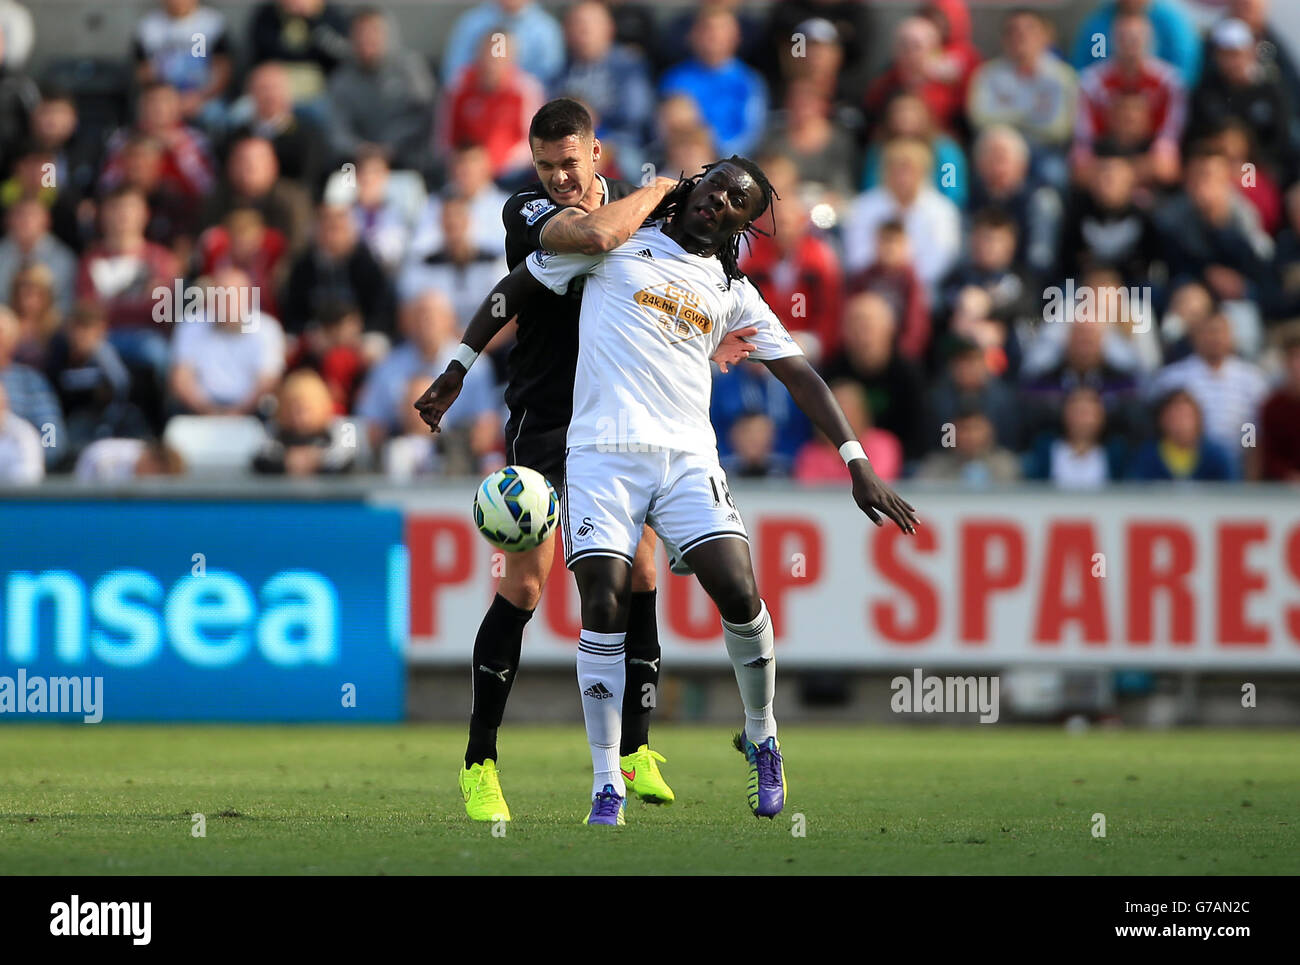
column 852, row 450
column 465, row 356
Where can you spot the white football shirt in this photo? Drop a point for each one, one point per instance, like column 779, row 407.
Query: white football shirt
column 652, row 315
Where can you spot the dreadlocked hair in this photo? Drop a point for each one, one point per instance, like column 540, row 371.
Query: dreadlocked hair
column 729, row 254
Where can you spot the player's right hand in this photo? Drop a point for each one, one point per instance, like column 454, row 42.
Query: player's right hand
column 437, row 398
column 875, row 498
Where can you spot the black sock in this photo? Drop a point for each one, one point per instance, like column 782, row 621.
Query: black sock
column 496, row 659
column 641, row 692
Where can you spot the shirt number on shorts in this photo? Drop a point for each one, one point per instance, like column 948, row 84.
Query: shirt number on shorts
column 726, row 493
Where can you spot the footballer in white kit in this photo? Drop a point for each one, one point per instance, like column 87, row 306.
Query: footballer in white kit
column 641, row 448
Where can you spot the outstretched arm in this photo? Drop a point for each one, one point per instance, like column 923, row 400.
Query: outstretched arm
column 491, row 316
column 596, row 232
column 812, row 396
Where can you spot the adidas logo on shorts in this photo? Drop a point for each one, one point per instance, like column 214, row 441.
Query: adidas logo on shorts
column 598, row 691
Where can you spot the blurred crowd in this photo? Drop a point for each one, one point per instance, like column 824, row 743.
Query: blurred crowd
column 1065, row 258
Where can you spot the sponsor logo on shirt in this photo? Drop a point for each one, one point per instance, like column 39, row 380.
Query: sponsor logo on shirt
column 532, row 210
column 676, row 309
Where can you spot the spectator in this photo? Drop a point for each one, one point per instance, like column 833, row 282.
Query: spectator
column 1078, row 457
column 1105, row 225
column 967, row 383
column 384, row 217
column 932, row 222
column 1228, row 389
column 253, row 180
column 892, row 384
column 541, row 41
column 1210, row 233
column 333, row 348
column 1254, row 14
column 119, row 460
column 27, row 241
column 1242, row 87
column 185, row 46
column 1012, row 302
column 1189, row 305
column 920, row 67
column 73, row 149
column 1285, row 302
column 29, row 395
column 30, row 181
column 295, row 137
column 832, row 59
column 309, row 438
column 173, row 216
column 1236, row 141
column 18, row 31
column 819, row 459
column 1132, row 72
column 337, row 268
column 1083, row 362
column 19, row 96
column 751, row 390
column 823, row 150
column 959, row 55
column 1002, row 180
column 429, row 325
column 244, row 241
column 613, row 81
column 1182, row 450
column 22, row 462
column 1175, row 38
column 461, row 269
column 731, row 95
column 974, row 459
column 491, row 104
column 309, row 37
column 227, row 362
column 186, row 161
column 91, row 381
column 797, row 271
column 32, row 299
column 1279, row 420
column 383, row 95
column 1030, row 89
column 907, row 116
column 892, row 276
column 122, row 272
column 470, row 178
column 751, row 439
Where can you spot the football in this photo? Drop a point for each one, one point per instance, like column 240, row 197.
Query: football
column 516, row 508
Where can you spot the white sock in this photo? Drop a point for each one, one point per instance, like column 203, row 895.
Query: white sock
column 750, row 646
column 601, row 678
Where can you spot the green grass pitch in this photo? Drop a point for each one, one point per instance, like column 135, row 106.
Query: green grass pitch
column 383, row 800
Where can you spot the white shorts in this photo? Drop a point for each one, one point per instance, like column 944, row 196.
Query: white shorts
column 610, row 496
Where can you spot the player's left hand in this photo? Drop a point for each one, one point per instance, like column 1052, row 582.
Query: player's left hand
column 437, row 398
column 874, row 497
column 734, row 348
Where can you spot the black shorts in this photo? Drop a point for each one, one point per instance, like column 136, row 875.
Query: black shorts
column 542, row 450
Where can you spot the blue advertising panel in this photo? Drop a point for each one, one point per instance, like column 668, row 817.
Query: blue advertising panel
column 228, row 610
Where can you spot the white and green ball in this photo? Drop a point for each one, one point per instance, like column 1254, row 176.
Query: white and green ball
column 516, row 508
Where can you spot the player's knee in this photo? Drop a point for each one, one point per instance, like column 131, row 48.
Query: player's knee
column 602, row 609
column 524, row 593
column 738, row 602
column 522, row 584
column 643, row 575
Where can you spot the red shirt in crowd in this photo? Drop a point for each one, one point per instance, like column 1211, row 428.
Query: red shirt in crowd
column 497, row 119
column 810, row 270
